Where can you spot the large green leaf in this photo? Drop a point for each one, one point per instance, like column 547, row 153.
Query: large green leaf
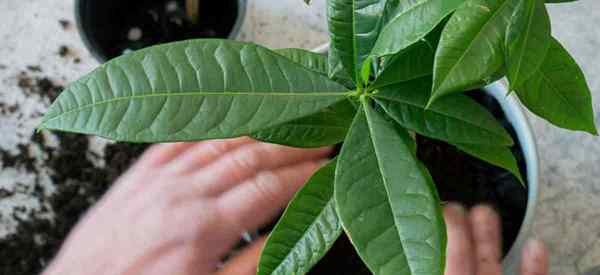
column 327, row 127
column 412, row 63
column 386, row 202
column 527, row 40
column 192, row 90
column 495, row 155
column 308, row 228
column 558, row 92
column 315, row 62
column 408, row 21
column 354, row 26
column 454, row 119
column 470, row 51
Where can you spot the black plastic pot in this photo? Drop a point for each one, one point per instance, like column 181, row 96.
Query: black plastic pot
column 110, row 28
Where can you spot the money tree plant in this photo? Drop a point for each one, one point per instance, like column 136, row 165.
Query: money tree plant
column 395, row 69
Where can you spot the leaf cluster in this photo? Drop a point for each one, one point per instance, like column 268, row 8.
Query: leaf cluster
column 395, row 68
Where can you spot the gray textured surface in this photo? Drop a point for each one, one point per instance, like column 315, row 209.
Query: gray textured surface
column 569, row 212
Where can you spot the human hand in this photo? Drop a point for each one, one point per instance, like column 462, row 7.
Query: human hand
column 182, row 207
column 474, row 244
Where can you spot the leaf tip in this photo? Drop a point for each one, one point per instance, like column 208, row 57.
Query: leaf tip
column 593, row 130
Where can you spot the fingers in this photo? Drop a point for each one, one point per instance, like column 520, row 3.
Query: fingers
column 535, row 259
column 162, row 153
column 459, row 253
column 203, row 153
column 256, row 202
column 246, row 262
column 485, row 226
column 245, row 162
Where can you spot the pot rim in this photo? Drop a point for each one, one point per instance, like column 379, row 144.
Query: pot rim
column 93, row 48
column 515, row 114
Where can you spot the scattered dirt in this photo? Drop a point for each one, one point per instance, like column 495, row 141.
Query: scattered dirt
column 40, row 85
column 65, row 24
column 8, row 109
column 34, row 68
column 79, row 184
column 64, row 51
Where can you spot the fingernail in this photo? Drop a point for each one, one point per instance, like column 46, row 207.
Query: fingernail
column 457, row 207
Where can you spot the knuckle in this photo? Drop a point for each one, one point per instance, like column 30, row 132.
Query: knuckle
column 248, row 159
column 268, row 186
column 218, row 147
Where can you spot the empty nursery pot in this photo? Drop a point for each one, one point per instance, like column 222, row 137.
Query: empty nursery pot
column 110, row 28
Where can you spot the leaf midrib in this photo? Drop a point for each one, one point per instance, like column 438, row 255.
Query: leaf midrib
column 471, row 44
column 165, row 94
column 383, row 178
column 526, row 40
column 437, row 112
column 565, row 99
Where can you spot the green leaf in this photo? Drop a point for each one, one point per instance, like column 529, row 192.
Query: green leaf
column 354, row 26
column 367, row 69
column 558, row 92
column 470, row 51
column 454, row 119
column 191, row 90
column 495, row 155
column 416, row 61
column 409, row 21
column 386, row 202
column 527, row 40
column 315, row 62
column 308, row 228
column 327, row 127
column 560, row 1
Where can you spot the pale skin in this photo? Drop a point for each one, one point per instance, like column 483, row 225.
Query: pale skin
column 183, row 206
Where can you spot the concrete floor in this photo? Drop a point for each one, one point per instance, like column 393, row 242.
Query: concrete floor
column 569, row 211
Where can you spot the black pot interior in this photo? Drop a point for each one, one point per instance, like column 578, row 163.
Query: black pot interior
column 111, row 27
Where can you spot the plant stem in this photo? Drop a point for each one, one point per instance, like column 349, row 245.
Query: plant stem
column 192, row 8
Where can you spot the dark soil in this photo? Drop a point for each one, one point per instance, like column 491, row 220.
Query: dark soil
column 115, row 27
column 31, row 83
column 64, row 51
column 65, row 24
column 80, row 183
column 71, row 167
column 460, row 177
